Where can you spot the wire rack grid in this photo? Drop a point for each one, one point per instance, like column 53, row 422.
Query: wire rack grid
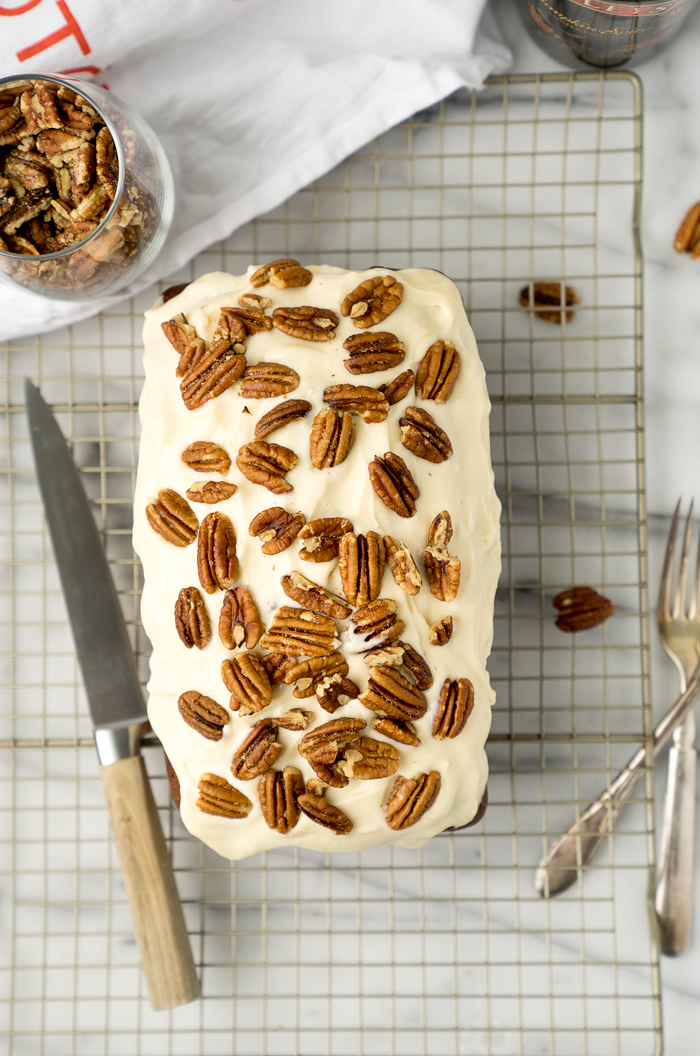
column 446, row 950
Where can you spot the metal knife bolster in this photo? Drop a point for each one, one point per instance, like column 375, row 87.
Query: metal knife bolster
column 115, row 743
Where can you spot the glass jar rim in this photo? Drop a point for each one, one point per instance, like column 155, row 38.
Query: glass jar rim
column 71, row 84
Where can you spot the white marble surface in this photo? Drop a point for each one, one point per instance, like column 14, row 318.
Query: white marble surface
column 672, row 342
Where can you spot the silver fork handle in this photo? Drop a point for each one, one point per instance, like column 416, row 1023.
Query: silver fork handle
column 578, row 845
column 673, row 897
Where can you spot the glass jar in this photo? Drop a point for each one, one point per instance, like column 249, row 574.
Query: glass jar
column 603, row 33
column 59, row 234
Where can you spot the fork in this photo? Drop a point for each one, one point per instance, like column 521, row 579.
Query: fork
column 679, row 626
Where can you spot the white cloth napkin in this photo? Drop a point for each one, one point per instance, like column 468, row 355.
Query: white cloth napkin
column 252, row 99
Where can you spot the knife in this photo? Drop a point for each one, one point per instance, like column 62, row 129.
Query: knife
column 118, row 712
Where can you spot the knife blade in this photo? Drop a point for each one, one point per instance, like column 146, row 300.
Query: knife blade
column 118, row 711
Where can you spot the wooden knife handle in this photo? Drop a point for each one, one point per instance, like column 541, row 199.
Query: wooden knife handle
column 156, row 912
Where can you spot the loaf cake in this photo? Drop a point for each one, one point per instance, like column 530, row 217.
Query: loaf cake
column 316, row 518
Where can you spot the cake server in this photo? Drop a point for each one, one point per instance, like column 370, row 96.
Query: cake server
column 118, row 713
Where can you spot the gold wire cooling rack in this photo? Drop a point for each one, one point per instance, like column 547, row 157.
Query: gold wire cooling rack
column 447, row 950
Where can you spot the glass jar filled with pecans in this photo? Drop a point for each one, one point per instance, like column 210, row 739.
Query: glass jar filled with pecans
column 86, row 191
column 603, row 33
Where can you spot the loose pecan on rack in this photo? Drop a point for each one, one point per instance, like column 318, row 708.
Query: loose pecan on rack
column 437, row 374
column 581, row 608
column 411, row 798
column 276, row 528
column 217, row 796
column 393, row 483
column 313, row 596
column 373, row 351
column 322, row 538
column 455, row 705
column 257, row 753
column 261, row 381
column 239, row 622
column 369, row 403
column 211, row 491
column 332, row 435
column 267, row 464
column 391, row 695
column 299, row 632
column 403, row 567
column 279, row 791
column 398, row 388
column 203, row 714
column 372, row 301
column 217, row 563
column 172, row 518
column 324, row 746
column 246, row 680
column 441, row 569
column 421, row 434
column 306, row 323
column 281, row 415
column 203, row 456
column 191, row 619
column 546, row 299
column 284, row 273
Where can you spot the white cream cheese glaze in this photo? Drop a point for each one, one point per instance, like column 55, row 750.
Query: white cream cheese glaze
column 464, row 485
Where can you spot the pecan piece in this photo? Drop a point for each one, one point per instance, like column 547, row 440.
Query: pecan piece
column 211, row 491
column 281, row 415
column 173, row 781
column 217, row 796
column 440, row 631
column 442, row 571
column 421, row 434
column 403, row 567
column 393, row 483
column 581, row 608
column 306, row 323
column 172, row 517
column 391, row 695
column 246, row 680
column 417, row 666
column 203, row 714
column 25, row 209
column 369, row 403
column 284, row 274
column 211, row 374
column 372, row 301
column 205, row 457
column 546, row 299
column 368, row 760
column 293, row 720
column 308, row 674
column 361, row 561
column 324, row 813
column 192, row 619
column 264, row 380
column 313, row 596
column 276, row 666
column 278, row 791
column 39, row 109
column 332, row 436
column 239, row 622
column 322, row 538
column 398, row 388
column 374, row 351
column 455, row 705
column 324, row 746
column 403, row 732
column 173, row 291
column 254, row 301
column 688, row 236
column 266, row 464
column 217, row 563
column 252, row 319
column 377, row 622
column 334, row 691
column 257, row 753
column 299, row 632
column 411, row 798
column 437, row 374
column 276, row 528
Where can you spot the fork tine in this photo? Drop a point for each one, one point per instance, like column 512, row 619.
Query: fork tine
column 664, row 605
column 679, row 607
column 693, row 610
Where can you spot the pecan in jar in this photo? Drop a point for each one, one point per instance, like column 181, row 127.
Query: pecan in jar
column 203, row 714
column 279, row 791
column 192, row 619
column 217, row 796
column 546, row 300
column 332, row 436
column 300, row 632
column 217, row 563
column 319, row 810
column 455, row 705
column 372, row 301
column 402, row 565
column 377, row 622
column 171, row 517
column 239, row 622
column 267, row 465
column 284, row 273
column 581, row 608
column 391, row 695
column 421, row 434
column 411, row 798
column 441, row 569
column 322, row 538
column 361, row 561
column 261, row 381
column 313, row 596
column 441, row 631
column 280, row 415
column 276, row 528
column 438, row 371
column 306, row 323
column 257, row 753
column 373, row 351
column 324, row 747
column 186, row 342
column 246, row 680
column 369, row 403
column 398, row 388
column 393, row 483
column 203, row 456
column 211, row 491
